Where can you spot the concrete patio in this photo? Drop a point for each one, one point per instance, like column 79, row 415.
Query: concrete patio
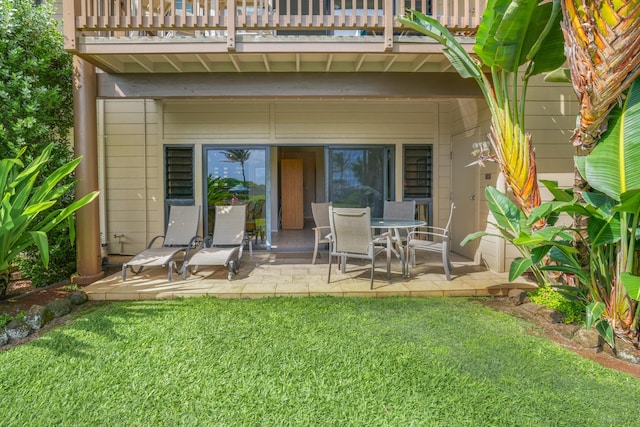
column 268, row 274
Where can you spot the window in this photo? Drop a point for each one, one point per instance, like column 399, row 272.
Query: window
column 179, row 188
column 418, row 178
column 360, row 176
column 418, row 172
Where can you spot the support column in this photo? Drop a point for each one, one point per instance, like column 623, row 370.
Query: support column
column 89, row 260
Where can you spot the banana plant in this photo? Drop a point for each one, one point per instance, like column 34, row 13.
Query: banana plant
column 612, row 169
column 515, row 41
column 24, row 196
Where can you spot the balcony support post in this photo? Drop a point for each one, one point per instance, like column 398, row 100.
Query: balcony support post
column 389, row 14
column 89, row 259
column 231, row 25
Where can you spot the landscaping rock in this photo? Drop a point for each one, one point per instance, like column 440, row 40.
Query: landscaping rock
column 587, row 338
column 553, row 316
column 78, row 297
column 17, row 329
column 59, row 307
column 4, row 338
column 38, row 316
column 518, row 296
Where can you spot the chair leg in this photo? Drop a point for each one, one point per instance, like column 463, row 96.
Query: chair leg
column 446, row 263
column 124, row 272
column 315, row 251
column 329, row 275
column 373, row 267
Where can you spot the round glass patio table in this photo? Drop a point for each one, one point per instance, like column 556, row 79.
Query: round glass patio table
column 397, row 224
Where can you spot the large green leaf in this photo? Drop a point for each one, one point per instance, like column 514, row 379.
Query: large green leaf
column 601, row 231
column 505, row 212
column 593, row 313
column 612, row 166
column 515, row 32
column 464, row 64
column 631, row 284
column 519, row 266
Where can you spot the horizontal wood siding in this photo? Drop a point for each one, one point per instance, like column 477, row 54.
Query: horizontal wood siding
column 133, row 173
column 135, row 192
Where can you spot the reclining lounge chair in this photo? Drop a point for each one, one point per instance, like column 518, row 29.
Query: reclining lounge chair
column 181, row 236
column 227, row 241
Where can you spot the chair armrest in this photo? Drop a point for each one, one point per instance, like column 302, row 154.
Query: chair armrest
column 426, row 234
column 150, row 245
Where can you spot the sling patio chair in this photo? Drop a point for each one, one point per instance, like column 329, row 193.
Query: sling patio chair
column 432, row 239
column 322, row 228
column 351, row 237
column 400, row 210
column 181, row 236
column 227, row 241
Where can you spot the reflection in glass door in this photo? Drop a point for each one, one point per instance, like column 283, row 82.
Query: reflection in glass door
column 359, row 177
column 239, row 175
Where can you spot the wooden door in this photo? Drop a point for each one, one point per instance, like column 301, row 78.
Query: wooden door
column 292, row 194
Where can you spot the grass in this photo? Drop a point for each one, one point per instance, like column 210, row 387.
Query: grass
column 305, row 362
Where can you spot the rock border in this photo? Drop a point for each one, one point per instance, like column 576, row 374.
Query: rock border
column 38, row 317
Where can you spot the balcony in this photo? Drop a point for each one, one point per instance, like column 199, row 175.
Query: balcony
column 184, row 36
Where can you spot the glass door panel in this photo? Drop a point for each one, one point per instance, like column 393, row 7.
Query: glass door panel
column 359, row 177
column 238, row 175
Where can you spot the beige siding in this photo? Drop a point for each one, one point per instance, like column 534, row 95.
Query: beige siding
column 134, row 190
column 132, row 171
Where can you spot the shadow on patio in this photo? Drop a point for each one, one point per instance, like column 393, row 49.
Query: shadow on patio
column 292, row 274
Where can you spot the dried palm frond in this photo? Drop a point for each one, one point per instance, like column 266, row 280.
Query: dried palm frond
column 602, row 45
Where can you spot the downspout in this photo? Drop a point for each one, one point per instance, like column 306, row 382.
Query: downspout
column 104, row 241
column 89, row 261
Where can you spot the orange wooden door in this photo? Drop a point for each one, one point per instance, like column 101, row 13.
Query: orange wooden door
column 292, row 194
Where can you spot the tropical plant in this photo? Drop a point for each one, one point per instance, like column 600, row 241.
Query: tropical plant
column 513, row 225
column 513, row 36
column 603, row 53
column 36, row 109
column 612, row 169
column 609, row 281
column 30, row 210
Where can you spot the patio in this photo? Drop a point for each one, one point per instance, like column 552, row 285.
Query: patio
column 268, row 274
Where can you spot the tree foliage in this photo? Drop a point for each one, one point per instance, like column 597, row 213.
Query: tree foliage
column 36, row 109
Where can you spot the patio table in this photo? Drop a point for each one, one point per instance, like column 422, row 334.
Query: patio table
column 396, row 225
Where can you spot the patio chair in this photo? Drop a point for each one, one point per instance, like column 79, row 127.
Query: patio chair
column 227, row 240
column 400, row 210
column 181, row 236
column 351, row 237
column 323, row 228
column 431, row 239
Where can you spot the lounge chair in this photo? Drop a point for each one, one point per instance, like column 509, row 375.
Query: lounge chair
column 181, row 236
column 227, row 241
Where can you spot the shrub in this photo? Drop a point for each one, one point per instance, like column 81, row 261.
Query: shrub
column 550, row 298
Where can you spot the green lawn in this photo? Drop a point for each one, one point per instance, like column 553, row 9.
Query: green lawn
column 303, row 362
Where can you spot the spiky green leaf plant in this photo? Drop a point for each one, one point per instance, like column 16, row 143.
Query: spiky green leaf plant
column 23, row 202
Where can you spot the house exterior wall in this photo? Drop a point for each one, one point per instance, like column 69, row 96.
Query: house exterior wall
column 131, row 178
column 134, row 186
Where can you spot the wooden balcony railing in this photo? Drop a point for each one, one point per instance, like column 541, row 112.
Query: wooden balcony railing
column 156, row 19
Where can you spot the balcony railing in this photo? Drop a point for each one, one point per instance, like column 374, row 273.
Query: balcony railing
column 220, row 19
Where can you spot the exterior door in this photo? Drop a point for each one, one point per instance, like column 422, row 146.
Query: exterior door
column 239, row 174
column 465, row 188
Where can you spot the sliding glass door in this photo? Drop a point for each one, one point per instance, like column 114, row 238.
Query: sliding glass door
column 238, row 175
column 360, row 176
